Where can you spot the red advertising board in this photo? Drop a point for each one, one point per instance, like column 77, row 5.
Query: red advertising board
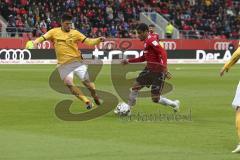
column 132, row 44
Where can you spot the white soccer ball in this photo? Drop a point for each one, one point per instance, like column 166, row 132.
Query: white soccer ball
column 123, row 109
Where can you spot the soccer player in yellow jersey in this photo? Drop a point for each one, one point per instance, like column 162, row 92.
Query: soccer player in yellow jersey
column 236, row 102
column 69, row 57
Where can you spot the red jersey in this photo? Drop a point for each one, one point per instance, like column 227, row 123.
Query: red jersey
column 155, row 35
column 154, row 54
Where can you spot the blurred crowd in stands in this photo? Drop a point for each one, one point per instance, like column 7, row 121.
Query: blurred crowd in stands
column 91, row 17
column 211, row 18
column 118, row 18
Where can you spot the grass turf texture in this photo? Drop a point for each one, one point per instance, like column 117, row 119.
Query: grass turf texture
column 30, row 130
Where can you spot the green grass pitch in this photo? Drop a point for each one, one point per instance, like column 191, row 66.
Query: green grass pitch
column 29, row 129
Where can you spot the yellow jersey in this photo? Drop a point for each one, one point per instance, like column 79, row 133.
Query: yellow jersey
column 66, row 44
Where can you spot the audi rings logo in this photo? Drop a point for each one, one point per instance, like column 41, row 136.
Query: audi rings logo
column 112, row 45
column 15, row 54
column 170, row 45
column 108, row 45
column 44, row 45
column 221, row 45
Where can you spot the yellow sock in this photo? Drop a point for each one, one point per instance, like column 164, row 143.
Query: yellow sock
column 238, row 124
column 78, row 93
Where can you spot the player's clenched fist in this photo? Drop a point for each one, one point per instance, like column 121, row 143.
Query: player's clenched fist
column 102, row 39
column 124, row 61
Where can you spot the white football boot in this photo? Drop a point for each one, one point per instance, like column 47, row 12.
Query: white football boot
column 237, row 150
column 176, row 106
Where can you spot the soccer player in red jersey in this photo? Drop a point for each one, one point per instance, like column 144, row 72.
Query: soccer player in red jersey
column 155, row 71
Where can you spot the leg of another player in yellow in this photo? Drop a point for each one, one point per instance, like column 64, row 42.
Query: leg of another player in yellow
column 238, row 122
column 236, row 106
column 237, row 150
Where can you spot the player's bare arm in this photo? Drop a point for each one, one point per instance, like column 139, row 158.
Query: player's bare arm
column 235, row 57
column 93, row 41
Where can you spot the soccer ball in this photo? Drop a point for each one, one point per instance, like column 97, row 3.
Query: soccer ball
column 122, row 109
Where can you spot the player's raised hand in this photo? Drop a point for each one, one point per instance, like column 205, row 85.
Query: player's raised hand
column 102, row 39
column 124, row 61
column 35, row 44
column 223, row 70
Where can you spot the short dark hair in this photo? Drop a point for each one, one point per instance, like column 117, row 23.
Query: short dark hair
column 66, row 17
column 151, row 25
column 142, row 27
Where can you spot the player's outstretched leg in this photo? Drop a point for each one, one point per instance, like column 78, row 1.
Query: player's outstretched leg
column 175, row 104
column 156, row 91
column 166, row 102
column 91, row 87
